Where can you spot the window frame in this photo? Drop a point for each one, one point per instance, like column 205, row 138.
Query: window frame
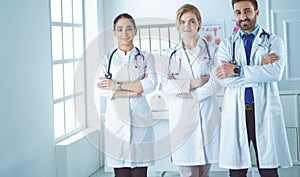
column 63, row 62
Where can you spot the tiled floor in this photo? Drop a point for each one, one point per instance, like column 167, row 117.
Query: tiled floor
column 101, row 173
column 289, row 172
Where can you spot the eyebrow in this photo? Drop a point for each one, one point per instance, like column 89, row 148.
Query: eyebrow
column 131, row 26
column 188, row 20
column 242, row 9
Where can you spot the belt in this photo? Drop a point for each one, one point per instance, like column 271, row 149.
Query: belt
column 249, row 107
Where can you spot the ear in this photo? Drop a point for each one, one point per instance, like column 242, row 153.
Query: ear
column 114, row 31
column 135, row 31
column 257, row 12
column 200, row 24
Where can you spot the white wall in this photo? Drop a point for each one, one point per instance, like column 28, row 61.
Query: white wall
column 167, row 9
column 27, row 147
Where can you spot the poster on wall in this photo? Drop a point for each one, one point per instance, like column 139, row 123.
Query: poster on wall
column 213, row 32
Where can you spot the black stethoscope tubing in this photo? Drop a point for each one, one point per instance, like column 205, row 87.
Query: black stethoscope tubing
column 108, row 74
column 179, row 70
column 233, row 60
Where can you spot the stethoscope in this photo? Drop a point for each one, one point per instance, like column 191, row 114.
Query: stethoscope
column 209, row 63
column 265, row 44
column 108, row 74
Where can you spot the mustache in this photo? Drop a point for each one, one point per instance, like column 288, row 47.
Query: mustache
column 245, row 20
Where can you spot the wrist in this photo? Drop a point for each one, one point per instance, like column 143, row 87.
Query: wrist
column 119, row 85
column 192, row 84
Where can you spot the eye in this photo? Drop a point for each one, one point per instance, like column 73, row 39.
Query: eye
column 237, row 12
column 119, row 30
column 193, row 21
column 248, row 11
column 181, row 22
column 129, row 28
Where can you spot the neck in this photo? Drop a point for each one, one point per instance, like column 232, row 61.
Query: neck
column 250, row 30
column 126, row 48
column 190, row 42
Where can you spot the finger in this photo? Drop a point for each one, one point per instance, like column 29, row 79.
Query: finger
column 272, row 55
column 223, row 62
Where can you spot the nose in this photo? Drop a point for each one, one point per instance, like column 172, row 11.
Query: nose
column 243, row 16
column 187, row 23
column 124, row 31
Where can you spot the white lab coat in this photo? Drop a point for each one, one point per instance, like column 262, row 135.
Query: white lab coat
column 128, row 121
column 272, row 145
column 194, row 122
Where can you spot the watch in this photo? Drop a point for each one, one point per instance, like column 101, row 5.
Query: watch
column 237, row 71
column 119, row 86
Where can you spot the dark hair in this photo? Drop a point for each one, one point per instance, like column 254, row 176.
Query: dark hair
column 253, row 2
column 124, row 15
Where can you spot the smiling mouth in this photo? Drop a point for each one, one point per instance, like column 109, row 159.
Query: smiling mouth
column 245, row 21
column 127, row 39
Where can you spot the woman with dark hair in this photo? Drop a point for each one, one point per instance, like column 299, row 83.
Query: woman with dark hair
column 125, row 77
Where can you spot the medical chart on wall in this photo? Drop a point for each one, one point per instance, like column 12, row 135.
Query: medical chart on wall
column 213, row 32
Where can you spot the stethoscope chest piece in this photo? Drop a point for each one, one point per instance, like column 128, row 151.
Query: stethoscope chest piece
column 108, row 75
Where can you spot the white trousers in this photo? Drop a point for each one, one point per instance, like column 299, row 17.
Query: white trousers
column 195, row 171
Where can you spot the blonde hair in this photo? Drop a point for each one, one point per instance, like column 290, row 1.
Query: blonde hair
column 187, row 8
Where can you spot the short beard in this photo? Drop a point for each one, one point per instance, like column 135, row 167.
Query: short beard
column 250, row 26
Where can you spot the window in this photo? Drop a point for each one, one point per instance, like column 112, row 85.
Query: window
column 67, row 41
column 157, row 38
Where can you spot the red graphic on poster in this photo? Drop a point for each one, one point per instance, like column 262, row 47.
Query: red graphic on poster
column 208, row 38
column 217, row 41
column 213, row 33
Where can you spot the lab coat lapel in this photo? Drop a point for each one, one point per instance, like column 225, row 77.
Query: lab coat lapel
column 256, row 43
column 185, row 63
column 240, row 54
column 200, row 48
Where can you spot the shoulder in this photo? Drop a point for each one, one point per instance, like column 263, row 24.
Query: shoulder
column 227, row 42
column 146, row 54
column 171, row 50
column 268, row 34
column 108, row 55
column 111, row 52
column 275, row 38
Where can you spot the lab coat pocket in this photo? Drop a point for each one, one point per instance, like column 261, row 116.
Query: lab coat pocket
column 139, row 72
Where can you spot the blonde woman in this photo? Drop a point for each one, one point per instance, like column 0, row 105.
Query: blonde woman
column 190, row 82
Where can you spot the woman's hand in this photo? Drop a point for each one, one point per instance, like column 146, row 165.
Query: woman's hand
column 199, row 82
column 184, row 95
column 107, row 84
column 126, row 94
